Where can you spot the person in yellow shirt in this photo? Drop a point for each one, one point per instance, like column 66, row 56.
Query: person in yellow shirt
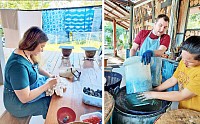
column 187, row 75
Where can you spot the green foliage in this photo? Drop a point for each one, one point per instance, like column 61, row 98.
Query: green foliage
column 110, row 47
column 120, row 44
column 81, row 42
column 25, row 5
column 42, row 4
column 193, row 21
column 108, row 39
column 108, row 27
column 89, row 2
column 120, row 32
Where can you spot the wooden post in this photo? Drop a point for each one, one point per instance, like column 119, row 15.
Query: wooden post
column 184, row 6
column 173, row 22
column 114, row 38
column 131, row 25
column 2, row 62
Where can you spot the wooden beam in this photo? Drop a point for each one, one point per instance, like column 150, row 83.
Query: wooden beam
column 107, row 18
column 124, row 2
column 116, row 5
column 124, row 26
column 139, row 2
column 142, row 2
column 114, row 15
column 115, row 9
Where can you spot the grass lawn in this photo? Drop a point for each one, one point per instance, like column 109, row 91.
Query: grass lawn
column 77, row 46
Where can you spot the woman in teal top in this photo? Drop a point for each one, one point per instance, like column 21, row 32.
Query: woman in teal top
column 25, row 84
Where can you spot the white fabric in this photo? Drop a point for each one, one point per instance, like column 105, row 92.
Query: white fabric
column 9, row 18
column 27, row 19
column 58, row 89
column 15, row 23
column 12, row 38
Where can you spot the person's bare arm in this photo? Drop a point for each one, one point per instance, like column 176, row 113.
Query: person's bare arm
column 161, row 50
column 173, row 95
column 25, row 95
column 134, row 49
column 167, row 84
column 45, row 73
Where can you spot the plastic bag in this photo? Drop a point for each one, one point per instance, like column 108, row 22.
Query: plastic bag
column 137, row 75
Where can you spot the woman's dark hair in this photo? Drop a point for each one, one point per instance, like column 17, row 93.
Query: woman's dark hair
column 165, row 17
column 31, row 39
column 192, row 45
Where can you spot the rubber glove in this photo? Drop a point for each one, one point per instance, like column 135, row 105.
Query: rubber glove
column 144, row 96
column 146, row 57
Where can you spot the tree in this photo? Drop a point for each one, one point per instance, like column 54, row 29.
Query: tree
column 25, row 5
column 89, row 2
column 108, row 29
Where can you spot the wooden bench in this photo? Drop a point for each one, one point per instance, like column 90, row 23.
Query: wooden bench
column 7, row 118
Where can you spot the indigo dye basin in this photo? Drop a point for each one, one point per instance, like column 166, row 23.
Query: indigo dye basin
column 146, row 114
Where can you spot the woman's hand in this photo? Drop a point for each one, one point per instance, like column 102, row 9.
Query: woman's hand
column 52, row 76
column 52, row 82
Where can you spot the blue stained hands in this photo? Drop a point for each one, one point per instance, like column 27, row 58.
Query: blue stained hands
column 146, row 57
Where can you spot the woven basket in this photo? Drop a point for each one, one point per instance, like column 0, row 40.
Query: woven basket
column 108, row 106
column 179, row 116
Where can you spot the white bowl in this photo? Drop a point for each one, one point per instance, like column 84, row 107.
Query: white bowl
column 92, row 100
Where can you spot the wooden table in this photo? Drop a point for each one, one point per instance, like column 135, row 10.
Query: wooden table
column 91, row 75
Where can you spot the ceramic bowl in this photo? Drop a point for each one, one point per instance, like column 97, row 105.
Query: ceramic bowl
column 64, row 112
column 90, row 51
column 66, row 52
column 90, row 54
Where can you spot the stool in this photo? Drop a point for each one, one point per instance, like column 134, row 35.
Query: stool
column 7, row 118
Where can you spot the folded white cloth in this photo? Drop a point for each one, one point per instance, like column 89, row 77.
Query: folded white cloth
column 58, row 89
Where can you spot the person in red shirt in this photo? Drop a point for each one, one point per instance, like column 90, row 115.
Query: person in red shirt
column 152, row 42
